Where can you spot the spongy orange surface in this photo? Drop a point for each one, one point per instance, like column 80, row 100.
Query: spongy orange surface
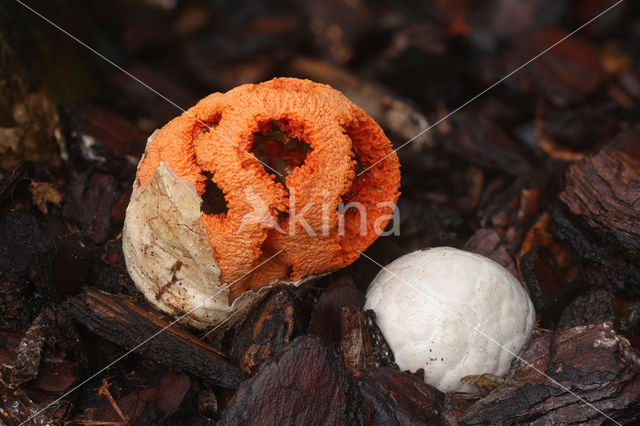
column 216, row 136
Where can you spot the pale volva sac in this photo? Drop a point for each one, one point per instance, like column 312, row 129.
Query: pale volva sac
column 165, row 244
column 169, row 257
column 452, row 313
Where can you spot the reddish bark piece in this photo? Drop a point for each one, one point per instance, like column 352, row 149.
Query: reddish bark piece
column 107, row 129
column 120, row 208
column 56, row 375
column 593, row 362
column 304, row 384
column 540, row 234
column 604, row 190
column 487, row 243
column 568, row 73
column 528, row 199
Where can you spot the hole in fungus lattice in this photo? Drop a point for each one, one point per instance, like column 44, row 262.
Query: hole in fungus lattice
column 280, row 149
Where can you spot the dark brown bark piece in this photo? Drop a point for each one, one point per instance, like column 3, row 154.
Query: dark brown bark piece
column 24, row 267
column 305, row 383
column 336, row 26
column 145, row 100
column 90, row 201
column 487, row 145
column 119, row 320
column 70, row 265
column 397, row 398
column 18, row 408
column 63, row 341
column 547, row 288
column 9, row 342
column 27, row 361
column 540, row 234
column 34, row 138
column 265, row 330
column 600, row 305
column 590, row 362
column 47, row 356
column 356, row 347
column 145, row 406
column 581, row 128
column 589, row 308
column 325, row 319
column 8, row 183
column 22, row 245
column 382, row 352
column 598, row 218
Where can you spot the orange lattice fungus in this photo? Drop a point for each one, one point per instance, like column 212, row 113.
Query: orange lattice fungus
column 268, row 183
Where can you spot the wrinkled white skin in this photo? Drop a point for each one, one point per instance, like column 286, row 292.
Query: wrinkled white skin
column 167, row 251
column 168, row 255
column 429, row 303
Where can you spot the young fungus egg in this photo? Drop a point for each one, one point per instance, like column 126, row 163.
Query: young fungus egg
column 452, row 313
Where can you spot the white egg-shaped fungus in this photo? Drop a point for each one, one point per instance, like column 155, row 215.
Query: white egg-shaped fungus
column 452, row 313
